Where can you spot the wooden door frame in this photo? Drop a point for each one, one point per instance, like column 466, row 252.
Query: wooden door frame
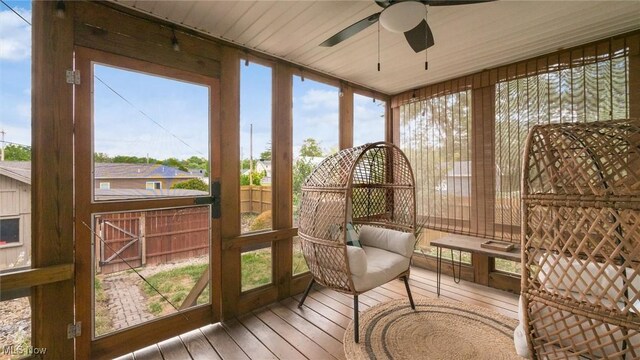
column 138, row 336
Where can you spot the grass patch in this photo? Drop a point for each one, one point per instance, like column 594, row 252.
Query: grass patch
column 102, row 318
column 256, row 268
column 175, row 284
column 508, row 266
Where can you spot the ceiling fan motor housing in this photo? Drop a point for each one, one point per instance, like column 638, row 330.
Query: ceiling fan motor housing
column 402, row 16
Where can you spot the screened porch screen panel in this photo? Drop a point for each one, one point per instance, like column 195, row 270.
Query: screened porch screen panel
column 435, row 134
column 581, row 89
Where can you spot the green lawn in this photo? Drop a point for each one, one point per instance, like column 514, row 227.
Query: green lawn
column 175, row 285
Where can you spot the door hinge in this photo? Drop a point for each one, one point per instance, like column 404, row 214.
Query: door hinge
column 74, row 330
column 73, row 77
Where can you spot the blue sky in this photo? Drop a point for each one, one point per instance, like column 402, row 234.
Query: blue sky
column 167, row 118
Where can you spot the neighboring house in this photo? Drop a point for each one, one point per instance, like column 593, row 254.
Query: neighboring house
column 138, row 176
column 458, row 179
column 264, row 166
column 15, row 214
column 113, row 181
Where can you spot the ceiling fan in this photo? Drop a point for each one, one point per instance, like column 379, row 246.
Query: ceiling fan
column 400, row 16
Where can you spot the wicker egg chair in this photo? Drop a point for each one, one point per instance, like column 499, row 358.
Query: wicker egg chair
column 371, row 186
column 581, row 241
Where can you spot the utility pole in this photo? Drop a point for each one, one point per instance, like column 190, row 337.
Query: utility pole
column 251, row 167
column 2, row 133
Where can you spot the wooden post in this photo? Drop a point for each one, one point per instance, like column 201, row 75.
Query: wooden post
column 230, row 178
column 346, row 116
column 282, row 202
column 52, row 176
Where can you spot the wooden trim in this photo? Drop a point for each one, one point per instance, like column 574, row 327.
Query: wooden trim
column 52, row 175
column 229, row 179
column 141, row 336
column 254, row 54
column 282, row 125
column 102, row 28
column 267, row 236
column 36, row 276
column 345, row 128
column 504, row 281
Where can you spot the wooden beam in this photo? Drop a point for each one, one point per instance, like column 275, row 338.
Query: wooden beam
column 52, row 175
column 346, row 116
column 35, row 277
column 253, row 238
column 229, row 179
column 282, row 209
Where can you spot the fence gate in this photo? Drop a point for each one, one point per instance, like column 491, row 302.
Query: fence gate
column 120, row 237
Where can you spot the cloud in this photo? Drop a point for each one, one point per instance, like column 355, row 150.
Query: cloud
column 15, row 35
column 320, row 99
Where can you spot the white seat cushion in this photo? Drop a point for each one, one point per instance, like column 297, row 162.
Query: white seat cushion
column 382, row 267
column 399, row 242
column 357, row 260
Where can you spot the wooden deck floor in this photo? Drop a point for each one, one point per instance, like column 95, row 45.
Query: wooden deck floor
column 282, row 331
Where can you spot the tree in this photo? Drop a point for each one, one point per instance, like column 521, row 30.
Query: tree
column 302, row 168
column 191, row 184
column 266, row 155
column 14, row 152
column 102, row 158
column 310, row 148
column 256, row 178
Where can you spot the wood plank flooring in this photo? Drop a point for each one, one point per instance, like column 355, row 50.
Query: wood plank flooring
column 282, row 331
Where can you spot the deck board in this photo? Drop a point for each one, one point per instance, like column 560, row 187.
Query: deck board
column 314, row 331
column 223, row 343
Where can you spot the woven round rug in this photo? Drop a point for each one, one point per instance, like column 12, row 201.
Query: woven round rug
column 437, row 329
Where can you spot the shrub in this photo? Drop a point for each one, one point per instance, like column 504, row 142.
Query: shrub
column 191, row 184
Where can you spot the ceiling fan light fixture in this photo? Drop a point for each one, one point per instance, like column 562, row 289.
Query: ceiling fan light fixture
column 402, row 16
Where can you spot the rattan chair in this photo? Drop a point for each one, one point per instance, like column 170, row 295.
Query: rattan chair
column 581, row 241
column 371, row 186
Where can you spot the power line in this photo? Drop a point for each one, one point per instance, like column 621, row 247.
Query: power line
column 15, row 12
column 117, row 93
column 145, row 115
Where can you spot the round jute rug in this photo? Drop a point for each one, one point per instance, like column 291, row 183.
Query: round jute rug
column 437, row 329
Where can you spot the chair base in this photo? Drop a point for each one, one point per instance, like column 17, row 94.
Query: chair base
column 306, row 292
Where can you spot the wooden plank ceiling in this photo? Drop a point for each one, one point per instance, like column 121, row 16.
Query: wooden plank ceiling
column 468, row 38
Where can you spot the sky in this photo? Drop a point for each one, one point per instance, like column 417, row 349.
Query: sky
column 164, row 118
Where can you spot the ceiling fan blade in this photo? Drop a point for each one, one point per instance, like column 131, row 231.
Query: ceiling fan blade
column 351, row 30
column 384, row 3
column 452, row 2
column 420, row 37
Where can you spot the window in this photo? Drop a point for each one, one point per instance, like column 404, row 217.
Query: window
column 152, row 185
column 105, row 185
column 578, row 90
column 435, row 134
column 315, row 136
column 368, row 120
column 9, row 231
column 255, row 147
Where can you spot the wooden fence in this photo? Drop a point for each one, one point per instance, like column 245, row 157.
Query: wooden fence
column 255, row 199
column 150, row 237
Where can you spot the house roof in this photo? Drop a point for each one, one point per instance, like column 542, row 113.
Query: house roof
column 18, row 170
column 138, row 171
column 21, row 170
column 468, row 38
